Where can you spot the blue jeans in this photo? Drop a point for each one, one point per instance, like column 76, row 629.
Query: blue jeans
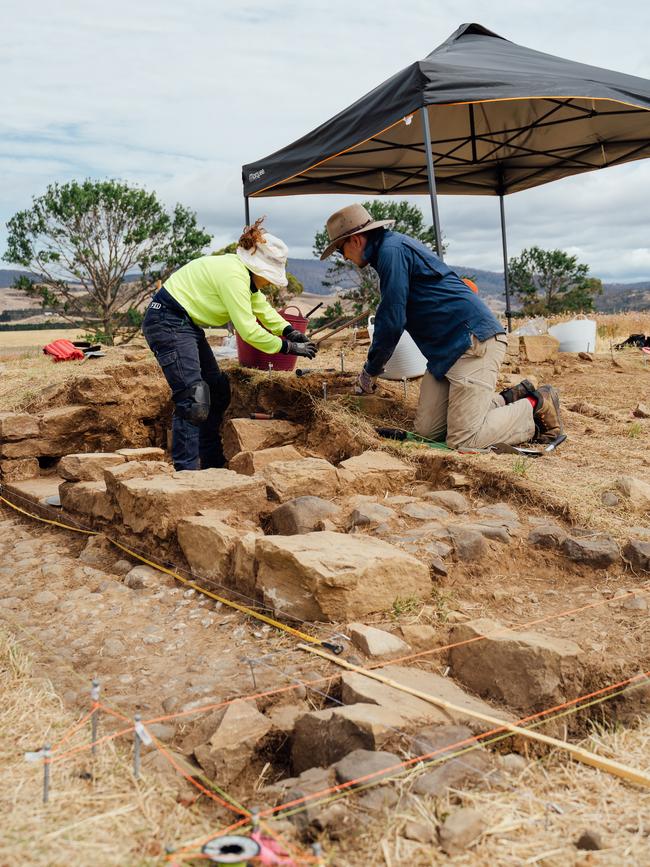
column 186, row 358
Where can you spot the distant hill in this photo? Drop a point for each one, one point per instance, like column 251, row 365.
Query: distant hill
column 619, row 297
column 9, row 275
column 311, row 273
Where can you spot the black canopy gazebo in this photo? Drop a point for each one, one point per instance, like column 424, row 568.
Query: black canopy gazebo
column 480, row 115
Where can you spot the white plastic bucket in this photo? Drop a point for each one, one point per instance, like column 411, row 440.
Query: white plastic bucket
column 578, row 335
column 406, row 361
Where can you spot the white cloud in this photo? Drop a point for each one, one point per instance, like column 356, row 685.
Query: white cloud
column 177, row 96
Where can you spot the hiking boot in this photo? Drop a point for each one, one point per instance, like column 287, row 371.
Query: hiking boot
column 546, row 415
column 525, row 388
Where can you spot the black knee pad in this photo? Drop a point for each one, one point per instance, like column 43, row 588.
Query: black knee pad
column 197, row 403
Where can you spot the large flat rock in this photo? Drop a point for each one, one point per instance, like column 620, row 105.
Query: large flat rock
column 332, row 576
column 35, row 489
column 208, row 544
column 88, row 499
column 16, row 426
column 375, row 472
column 357, row 687
column 323, row 737
column 155, row 505
column 88, row 466
column 527, row 670
column 287, row 480
column 252, row 435
column 249, row 463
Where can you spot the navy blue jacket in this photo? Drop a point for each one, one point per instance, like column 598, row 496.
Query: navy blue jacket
column 421, row 295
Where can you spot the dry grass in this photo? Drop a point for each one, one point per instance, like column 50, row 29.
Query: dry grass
column 106, row 820
column 23, row 341
column 533, row 817
column 25, row 374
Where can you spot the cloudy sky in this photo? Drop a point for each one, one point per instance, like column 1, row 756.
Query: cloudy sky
column 176, row 96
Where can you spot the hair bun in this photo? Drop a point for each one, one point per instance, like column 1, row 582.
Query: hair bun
column 253, row 235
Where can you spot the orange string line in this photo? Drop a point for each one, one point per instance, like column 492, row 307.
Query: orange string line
column 75, row 728
column 85, row 747
column 474, row 738
column 114, row 713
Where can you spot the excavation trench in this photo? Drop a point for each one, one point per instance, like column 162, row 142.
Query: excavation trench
column 95, row 624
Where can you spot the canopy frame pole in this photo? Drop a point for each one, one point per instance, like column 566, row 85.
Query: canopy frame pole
column 504, row 244
column 472, row 132
column 247, row 212
column 432, row 181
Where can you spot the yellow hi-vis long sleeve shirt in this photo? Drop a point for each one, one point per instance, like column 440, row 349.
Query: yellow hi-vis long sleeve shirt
column 215, row 290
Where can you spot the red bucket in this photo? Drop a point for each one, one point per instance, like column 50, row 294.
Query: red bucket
column 248, row 356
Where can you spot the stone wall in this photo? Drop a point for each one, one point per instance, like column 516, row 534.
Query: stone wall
column 128, row 404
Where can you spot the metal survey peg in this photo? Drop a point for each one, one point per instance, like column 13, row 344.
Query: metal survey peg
column 270, row 369
column 136, row 747
column 94, row 719
column 252, row 668
column 255, row 819
column 324, row 391
column 47, row 755
column 342, row 356
column 404, row 381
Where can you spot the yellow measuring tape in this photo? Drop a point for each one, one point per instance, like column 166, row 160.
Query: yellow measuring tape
column 250, row 612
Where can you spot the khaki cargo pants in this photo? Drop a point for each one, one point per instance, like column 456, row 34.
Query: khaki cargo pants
column 464, row 403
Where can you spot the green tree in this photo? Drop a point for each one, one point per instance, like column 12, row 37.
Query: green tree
column 550, row 281
column 278, row 296
column 84, row 238
column 361, row 285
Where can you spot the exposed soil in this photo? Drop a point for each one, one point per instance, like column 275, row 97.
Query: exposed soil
column 163, row 648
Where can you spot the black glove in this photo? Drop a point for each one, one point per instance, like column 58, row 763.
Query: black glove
column 291, row 333
column 307, row 350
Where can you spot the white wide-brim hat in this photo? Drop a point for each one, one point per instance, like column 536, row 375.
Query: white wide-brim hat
column 268, row 260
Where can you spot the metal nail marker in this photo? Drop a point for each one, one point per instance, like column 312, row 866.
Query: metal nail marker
column 270, row 369
column 94, row 695
column 47, row 755
column 405, row 387
column 44, row 753
column 255, row 818
column 324, row 391
column 136, row 749
column 342, row 355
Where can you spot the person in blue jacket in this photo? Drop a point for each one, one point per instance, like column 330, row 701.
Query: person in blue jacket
column 463, row 342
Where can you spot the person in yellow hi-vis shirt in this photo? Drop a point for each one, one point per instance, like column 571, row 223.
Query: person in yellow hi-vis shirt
column 211, row 291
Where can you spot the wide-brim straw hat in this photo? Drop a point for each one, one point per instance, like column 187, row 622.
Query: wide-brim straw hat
column 351, row 220
column 267, row 260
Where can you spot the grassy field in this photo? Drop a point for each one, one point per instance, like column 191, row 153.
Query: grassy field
column 21, row 341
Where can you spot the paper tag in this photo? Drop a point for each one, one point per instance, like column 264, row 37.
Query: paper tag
column 143, row 734
column 34, row 757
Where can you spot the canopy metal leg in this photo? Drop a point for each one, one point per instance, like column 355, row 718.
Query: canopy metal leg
column 505, row 263
column 432, row 181
column 247, row 212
